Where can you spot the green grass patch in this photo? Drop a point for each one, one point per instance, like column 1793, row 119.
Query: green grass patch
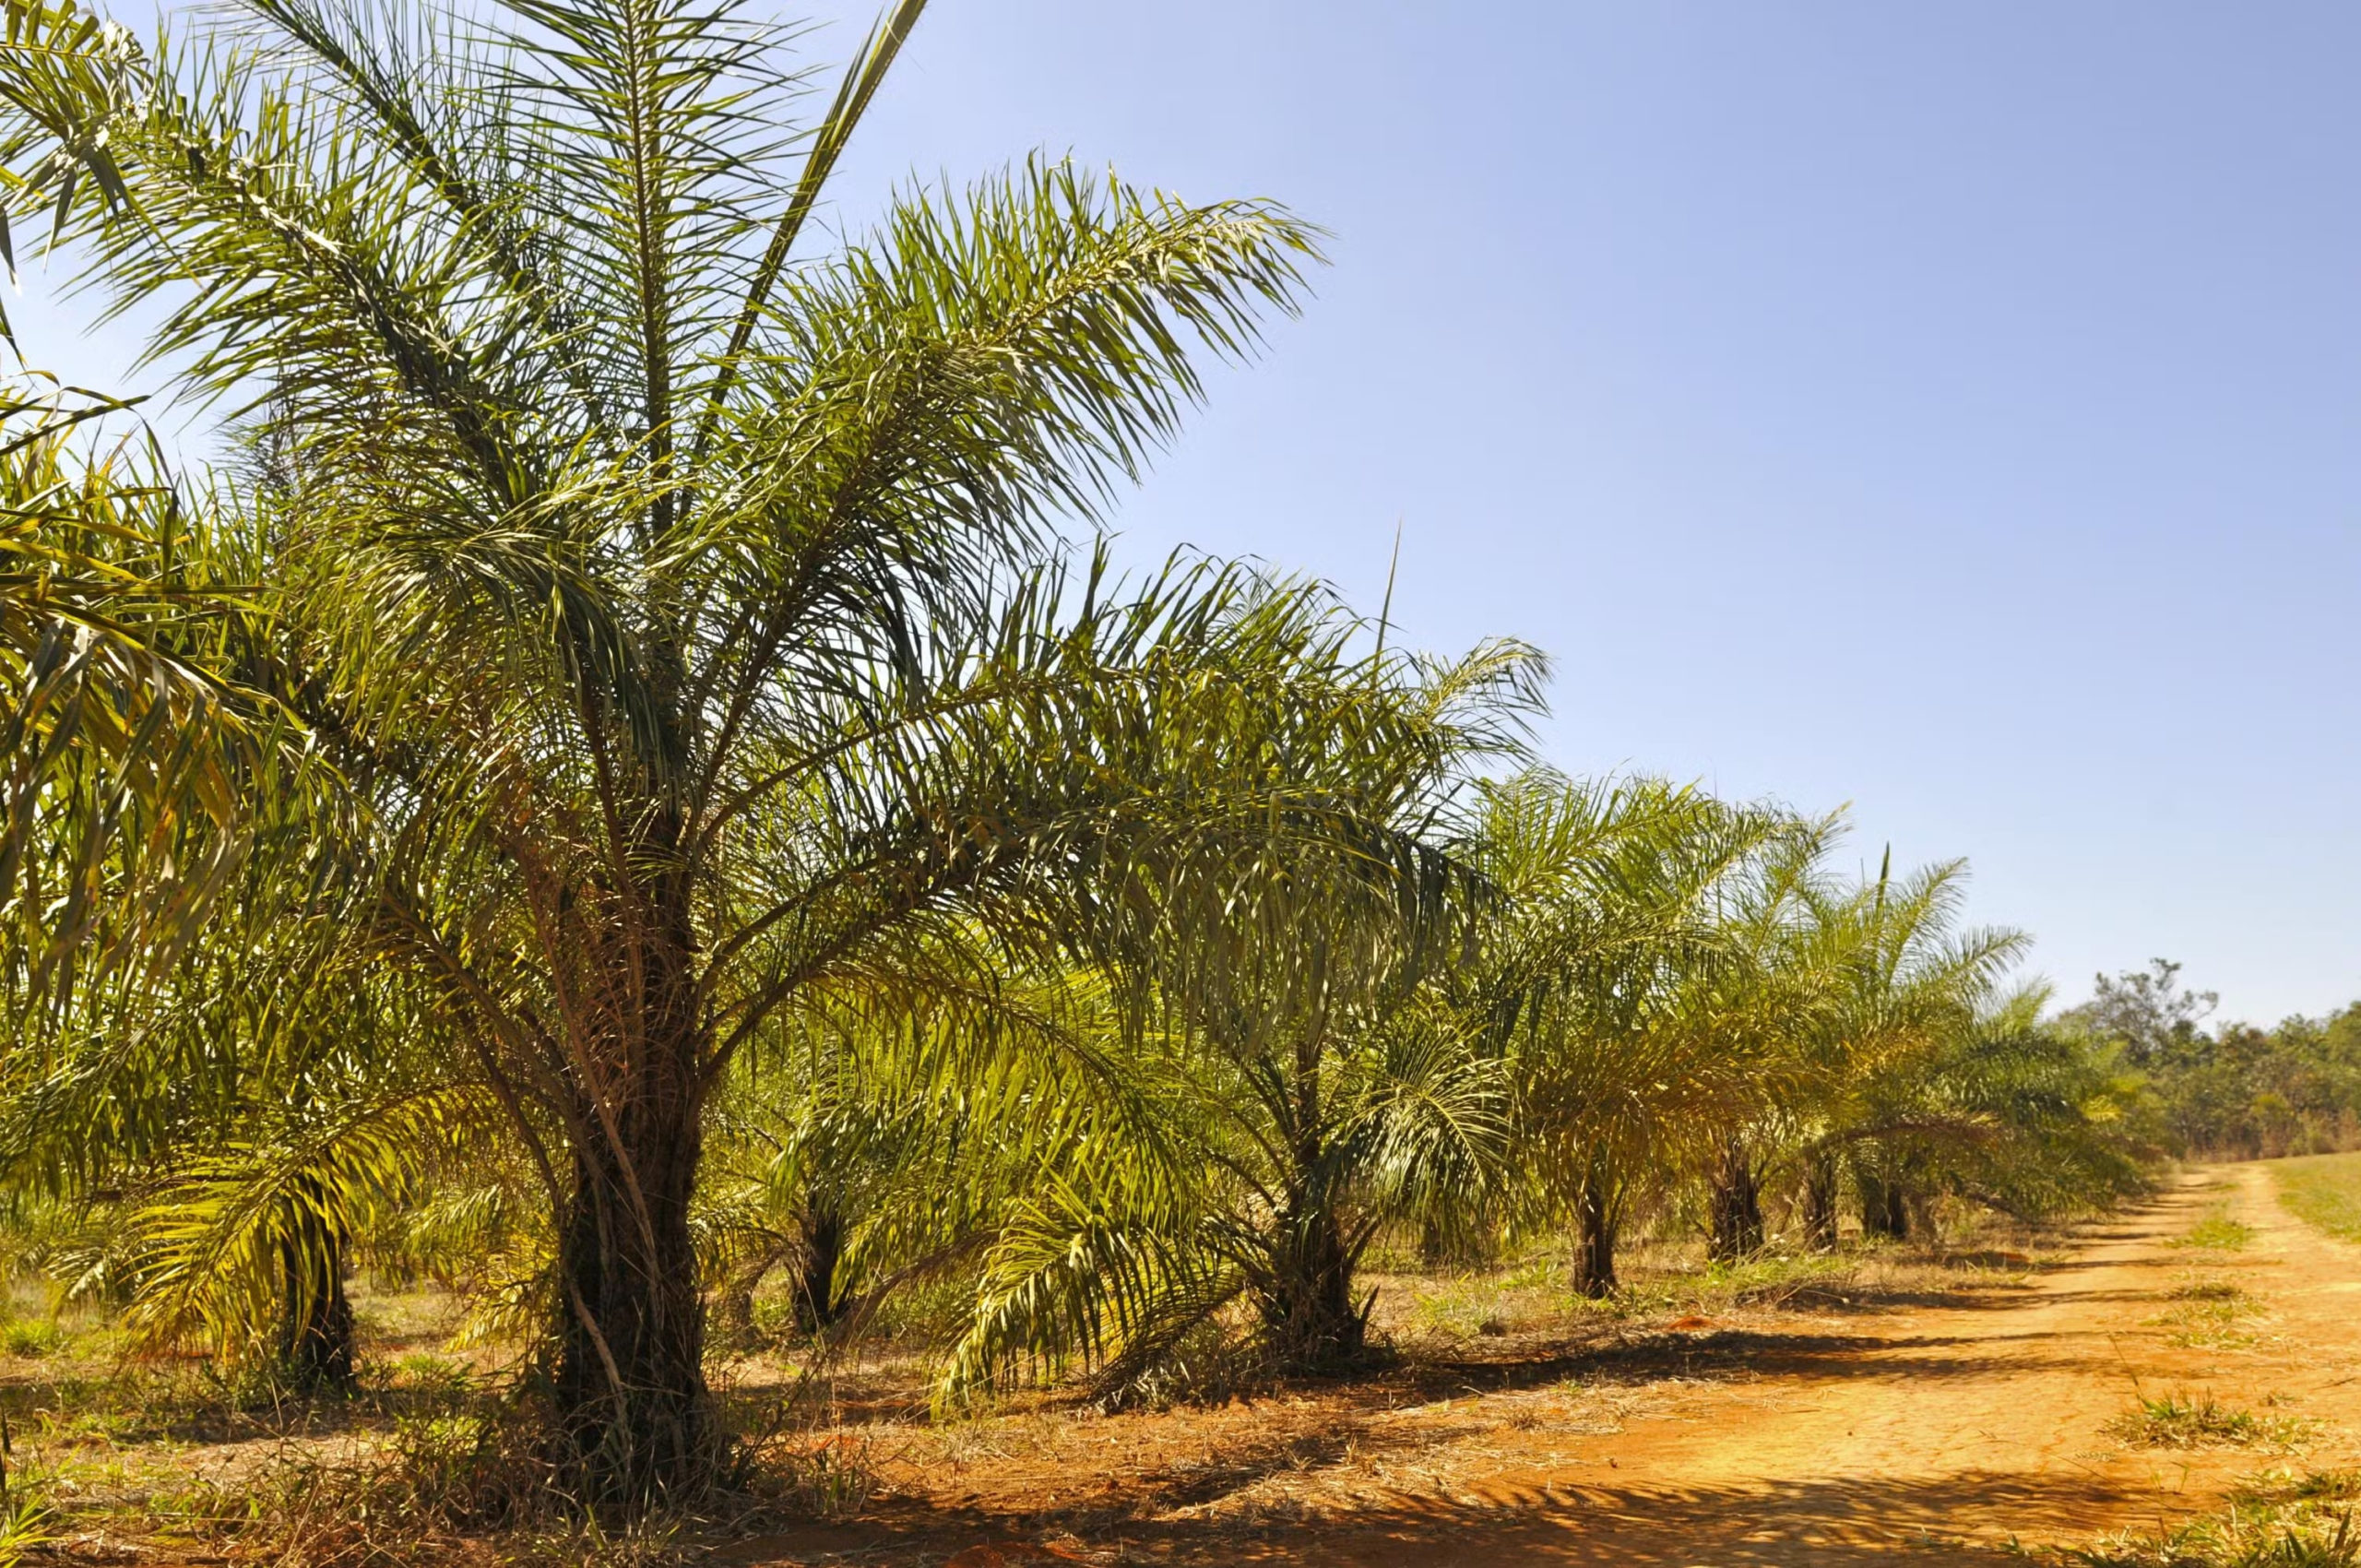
column 30, row 1337
column 2324, row 1191
column 2277, row 1520
column 2182, row 1421
column 2217, row 1232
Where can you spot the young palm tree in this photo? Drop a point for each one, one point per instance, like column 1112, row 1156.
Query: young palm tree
column 1769, row 1005
column 650, row 581
column 1912, row 983
column 1293, row 1080
column 879, row 1141
column 133, row 767
column 1598, row 982
column 2020, row 1115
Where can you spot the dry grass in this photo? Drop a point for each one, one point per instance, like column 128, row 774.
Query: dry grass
column 2213, row 1315
column 2180, row 1420
column 2324, row 1191
column 434, row 1460
column 2277, row 1520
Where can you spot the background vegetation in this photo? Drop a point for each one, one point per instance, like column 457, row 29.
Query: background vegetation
column 2228, row 1091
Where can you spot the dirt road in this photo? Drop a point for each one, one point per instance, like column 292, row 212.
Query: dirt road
column 1935, row 1430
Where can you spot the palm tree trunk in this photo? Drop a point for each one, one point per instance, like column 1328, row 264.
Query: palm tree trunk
column 1735, row 1203
column 731, row 1315
column 1819, row 1202
column 1597, row 1217
column 817, row 1304
column 1885, row 1210
column 1437, row 1245
column 1442, row 1245
column 631, row 1394
column 1310, row 1323
column 315, row 1331
column 629, row 1384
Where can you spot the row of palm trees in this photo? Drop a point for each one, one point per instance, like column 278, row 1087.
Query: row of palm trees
column 618, row 780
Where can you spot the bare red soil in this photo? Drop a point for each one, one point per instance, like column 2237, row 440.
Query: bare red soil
column 1939, row 1424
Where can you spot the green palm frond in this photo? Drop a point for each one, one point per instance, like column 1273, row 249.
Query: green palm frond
column 212, row 1237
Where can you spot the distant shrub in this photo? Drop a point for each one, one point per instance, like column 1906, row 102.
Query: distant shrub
column 30, row 1337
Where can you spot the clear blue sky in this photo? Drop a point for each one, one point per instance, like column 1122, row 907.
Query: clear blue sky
column 1946, row 408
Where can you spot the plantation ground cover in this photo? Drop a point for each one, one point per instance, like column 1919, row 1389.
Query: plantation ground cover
column 2042, row 1388
column 2323, row 1190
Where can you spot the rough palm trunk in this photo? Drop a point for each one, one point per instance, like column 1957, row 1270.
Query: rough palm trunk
column 630, row 1388
column 1819, row 1202
column 1735, row 1200
column 315, row 1332
column 1885, row 1209
column 631, row 1379
column 1597, row 1218
column 817, row 1304
column 1310, row 1323
column 1918, row 1210
column 731, row 1320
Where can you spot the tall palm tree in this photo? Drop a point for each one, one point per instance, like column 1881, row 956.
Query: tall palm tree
column 659, row 586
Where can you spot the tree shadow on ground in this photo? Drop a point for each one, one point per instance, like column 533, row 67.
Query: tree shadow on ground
column 1830, row 1523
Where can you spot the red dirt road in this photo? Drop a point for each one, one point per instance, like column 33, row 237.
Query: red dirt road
column 1934, row 1429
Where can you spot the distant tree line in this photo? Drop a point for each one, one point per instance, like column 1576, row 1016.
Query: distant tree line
column 2227, row 1090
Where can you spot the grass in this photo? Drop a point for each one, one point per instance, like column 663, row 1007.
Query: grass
column 2210, row 1314
column 2217, row 1232
column 2178, row 1420
column 435, row 1459
column 2325, row 1192
column 31, row 1338
column 2279, row 1520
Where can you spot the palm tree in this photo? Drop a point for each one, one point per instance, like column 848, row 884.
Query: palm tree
column 1911, row 983
column 1292, row 1080
column 2026, row 1116
column 231, row 1119
column 134, row 763
column 657, row 588
column 1598, row 984
column 879, row 1143
column 1769, row 1005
